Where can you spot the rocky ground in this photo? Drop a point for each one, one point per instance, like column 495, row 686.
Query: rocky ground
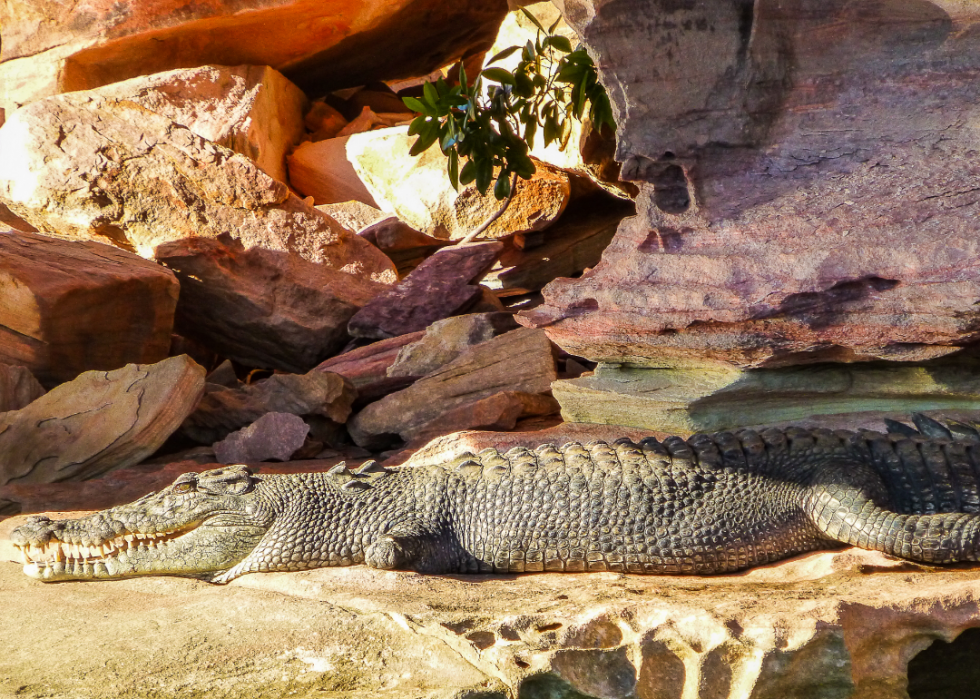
column 216, row 248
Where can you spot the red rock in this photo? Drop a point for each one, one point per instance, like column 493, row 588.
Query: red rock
column 369, row 364
column 68, row 307
column 18, row 387
column 273, row 437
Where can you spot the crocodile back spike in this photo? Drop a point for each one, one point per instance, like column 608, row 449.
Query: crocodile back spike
column 338, row 470
column 930, row 427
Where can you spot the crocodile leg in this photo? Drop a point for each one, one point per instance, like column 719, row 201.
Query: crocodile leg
column 849, row 507
column 412, row 546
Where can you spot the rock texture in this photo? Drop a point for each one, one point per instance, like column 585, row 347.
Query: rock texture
column 417, row 190
column 323, row 170
column 98, row 422
column 489, row 385
column 323, row 45
column 369, row 364
column 262, row 308
column 436, row 289
column 252, row 110
column 810, row 189
column 89, row 167
column 68, row 307
column 446, row 339
column 224, row 410
column 274, row 436
column 18, row 388
column 714, row 397
column 832, row 625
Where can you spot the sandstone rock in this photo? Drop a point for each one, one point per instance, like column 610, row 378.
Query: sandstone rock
column 500, row 411
column 89, row 167
column 810, row 189
column 827, row 625
column 518, row 362
column 224, row 375
column 321, row 46
column 573, row 244
column 68, row 307
column 261, row 307
column 446, row 339
column 274, row 436
column 323, row 121
column 369, row 364
column 18, row 387
column 252, row 110
column 98, row 422
column 369, row 120
column 8, row 219
column 417, row 190
column 323, row 170
column 436, row 289
column 403, row 245
column 380, row 99
column 712, row 397
column 224, row 410
column 353, row 215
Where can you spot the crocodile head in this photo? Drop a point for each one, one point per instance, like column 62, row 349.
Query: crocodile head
column 200, row 525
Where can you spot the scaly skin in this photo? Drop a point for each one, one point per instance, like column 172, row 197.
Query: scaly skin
column 712, row 504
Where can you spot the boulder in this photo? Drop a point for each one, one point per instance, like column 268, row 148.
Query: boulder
column 252, row 110
column 369, row 364
column 68, row 307
column 352, row 214
column 262, row 308
column 18, row 388
column 573, row 244
column 320, row 46
column 438, row 288
column 101, row 421
column 403, row 245
column 810, row 185
column 323, row 170
column 84, row 166
column 445, row 340
column 518, row 363
column 225, row 410
column 828, row 625
column 274, row 436
column 323, row 121
column 709, row 397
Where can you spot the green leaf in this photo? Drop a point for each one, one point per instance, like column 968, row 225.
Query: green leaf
column 416, row 125
column 529, row 130
column 499, row 75
column 454, row 169
column 468, row 173
column 501, row 190
column 463, row 82
column 441, row 87
column 580, row 105
column 551, row 29
column 427, row 136
column 528, row 52
column 533, row 19
column 504, row 54
column 559, row 43
column 484, row 174
column 431, row 96
column 416, row 105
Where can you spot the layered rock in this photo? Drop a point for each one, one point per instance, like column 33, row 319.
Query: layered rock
column 98, row 422
column 438, row 288
column 18, row 388
column 417, row 190
column 445, row 340
column 68, row 307
column 324, row 45
column 810, row 190
column 366, row 365
column 274, row 436
column 262, row 308
column 252, row 110
column 490, row 385
column 715, row 396
column 88, row 167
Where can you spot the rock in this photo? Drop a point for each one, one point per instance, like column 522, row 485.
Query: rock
column 368, row 120
column 323, row 121
column 712, row 397
column 353, row 215
column 500, row 411
column 274, row 436
column 323, row 170
column 575, row 243
column 380, row 99
column 98, row 422
column 224, row 375
column 89, row 167
column 446, row 339
column 68, row 307
column 8, row 219
column 369, row 364
column 417, row 189
column 518, row 362
column 225, row 410
column 436, row 289
column 252, row 110
column 261, row 307
column 827, row 625
column 318, row 46
column 809, row 194
column 18, row 387
column 403, row 245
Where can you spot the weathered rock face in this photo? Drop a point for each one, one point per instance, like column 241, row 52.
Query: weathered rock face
column 446, row 339
column 68, row 307
column 810, row 185
column 321, row 45
column 88, row 167
column 369, row 364
column 98, row 422
column 832, row 625
column 252, row 110
column 273, row 436
column 261, row 307
column 18, row 388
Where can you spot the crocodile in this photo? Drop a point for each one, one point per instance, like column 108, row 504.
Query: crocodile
column 712, row 503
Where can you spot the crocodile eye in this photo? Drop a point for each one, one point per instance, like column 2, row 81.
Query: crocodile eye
column 184, row 488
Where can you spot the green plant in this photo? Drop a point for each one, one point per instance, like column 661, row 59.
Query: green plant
column 490, row 131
